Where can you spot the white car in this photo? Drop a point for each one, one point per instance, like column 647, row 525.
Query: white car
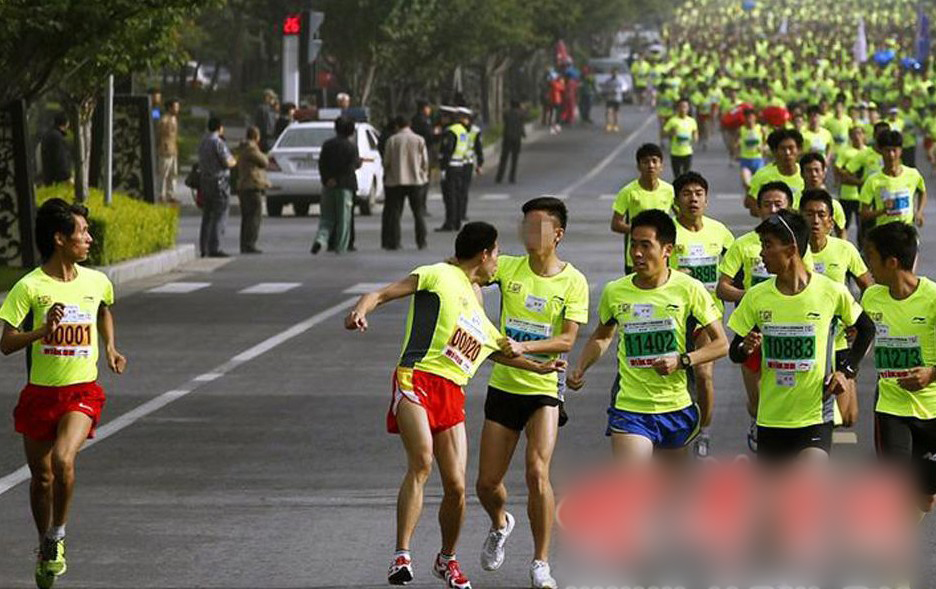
column 293, row 170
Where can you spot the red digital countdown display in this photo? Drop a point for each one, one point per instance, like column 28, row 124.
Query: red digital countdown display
column 292, row 24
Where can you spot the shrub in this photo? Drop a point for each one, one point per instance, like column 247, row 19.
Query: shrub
column 127, row 229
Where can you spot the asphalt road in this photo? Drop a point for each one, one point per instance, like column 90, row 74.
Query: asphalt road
column 245, row 446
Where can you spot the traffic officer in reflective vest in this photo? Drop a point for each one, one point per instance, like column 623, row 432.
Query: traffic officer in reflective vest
column 453, row 157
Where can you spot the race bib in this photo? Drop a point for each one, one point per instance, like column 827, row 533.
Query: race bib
column 464, row 347
column 683, row 137
column 896, row 203
column 73, row 337
column 701, row 267
column 645, row 341
column 521, row 330
column 751, row 142
column 790, row 347
column 894, row 356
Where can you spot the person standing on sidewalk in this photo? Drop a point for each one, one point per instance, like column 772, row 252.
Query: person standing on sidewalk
column 514, row 133
column 265, row 120
column 252, row 183
column 453, row 156
column 338, row 161
column 167, row 129
column 214, row 163
column 406, row 176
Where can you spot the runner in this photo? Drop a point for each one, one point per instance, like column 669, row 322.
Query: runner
column 447, row 337
column 813, row 169
column 898, row 193
column 816, row 138
column 785, row 145
column 701, row 242
column 903, row 307
column 839, row 260
column 651, row 410
column 847, row 165
column 751, row 148
column 56, row 313
column 682, row 132
column 543, row 302
column 648, row 191
column 790, row 317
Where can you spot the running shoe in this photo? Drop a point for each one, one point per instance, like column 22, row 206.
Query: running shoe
column 701, row 446
column 752, row 437
column 492, row 552
column 401, row 571
column 540, row 577
column 53, row 554
column 451, row 573
column 44, row 579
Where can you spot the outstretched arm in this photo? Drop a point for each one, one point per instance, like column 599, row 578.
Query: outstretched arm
column 357, row 318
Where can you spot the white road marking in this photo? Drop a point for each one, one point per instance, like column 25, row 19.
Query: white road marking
column 127, row 419
column 607, row 160
column 435, row 196
column 364, row 287
column 271, row 288
column 179, row 287
column 844, row 438
column 495, row 196
column 607, row 197
column 735, row 196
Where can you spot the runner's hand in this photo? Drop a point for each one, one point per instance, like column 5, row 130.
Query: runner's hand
column 835, row 385
column 666, row 365
column 116, row 361
column 576, row 379
column 510, row 348
column 918, row 219
column 355, row 321
column 752, row 342
column 53, row 318
column 917, row 378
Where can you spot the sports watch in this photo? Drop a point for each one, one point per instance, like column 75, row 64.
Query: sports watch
column 685, row 361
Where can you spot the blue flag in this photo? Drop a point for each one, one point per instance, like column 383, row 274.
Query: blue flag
column 922, row 35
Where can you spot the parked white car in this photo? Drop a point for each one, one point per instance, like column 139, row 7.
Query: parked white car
column 293, row 170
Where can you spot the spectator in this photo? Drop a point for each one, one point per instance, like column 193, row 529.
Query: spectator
column 265, row 119
column 514, row 133
column 214, row 164
column 389, row 130
column 344, row 101
column 252, row 183
column 557, row 89
column 586, row 95
column 287, row 114
column 155, row 103
column 422, row 122
column 338, row 161
column 167, row 150
column 406, row 176
column 56, row 158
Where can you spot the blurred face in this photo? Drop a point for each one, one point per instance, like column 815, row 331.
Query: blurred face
column 648, row 254
column 819, row 217
column 775, row 254
column 750, row 119
column 683, row 108
column 814, row 120
column 798, row 121
column 75, row 247
column 857, row 137
column 891, row 156
column 427, row 111
column 540, row 232
column 813, row 173
column 787, row 152
column 771, row 202
column 650, row 166
column 692, row 200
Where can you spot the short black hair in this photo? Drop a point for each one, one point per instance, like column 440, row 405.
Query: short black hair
column 810, row 157
column 214, row 123
column 687, row 178
column 60, row 119
column 816, row 194
column 775, row 186
column 661, row 222
column 780, row 135
column 474, row 238
column 789, row 227
column 548, row 204
column 896, row 240
column 55, row 216
column 749, row 111
column 171, row 102
column 813, row 109
column 400, row 122
column 889, row 138
column 344, row 126
column 649, row 150
column 286, row 107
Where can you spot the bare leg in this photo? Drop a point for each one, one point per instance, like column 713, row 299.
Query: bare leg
column 705, row 381
column 631, row 448
column 497, row 447
column 73, row 430
column 39, row 459
column 542, row 431
column 752, row 388
column 451, row 452
column 417, row 441
column 848, row 404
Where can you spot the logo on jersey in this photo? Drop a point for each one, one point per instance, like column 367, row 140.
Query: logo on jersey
column 514, row 287
column 624, row 308
column 813, row 316
column 44, row 300
column 766, row 316
column 918, row 320
column 672, row 307
column 876, row 316
column 680, row 248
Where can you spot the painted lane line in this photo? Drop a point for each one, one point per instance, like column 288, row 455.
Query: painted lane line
column 179, row 287
column 127, row 419
column 364, row 287
column 271, row 288
column 495, row 196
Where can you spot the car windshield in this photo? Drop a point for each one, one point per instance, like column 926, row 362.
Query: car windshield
column 306, row 137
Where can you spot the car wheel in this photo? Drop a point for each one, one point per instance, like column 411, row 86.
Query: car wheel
column 301, row 209
column 367, row 206
column 274, row 209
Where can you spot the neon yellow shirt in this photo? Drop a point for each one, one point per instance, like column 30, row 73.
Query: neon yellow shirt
column 839, row 128
column 794, row 351
column 770, row 173
column 700, row 253
column 905, row 338
column 447, row 332
column 817, row 141
column 846, row 158
column 681, row 131
column 68, row 356
column 652, row 324
column 894, row 194
column 633, row 198
column 836, row 261
column 752, row 142
column 533, row 308
column 744, row 255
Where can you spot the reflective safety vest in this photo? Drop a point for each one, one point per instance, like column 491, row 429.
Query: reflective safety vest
column 473, row 133
column 462, row 146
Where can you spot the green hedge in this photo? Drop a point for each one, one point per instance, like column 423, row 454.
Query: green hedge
column 127, row 229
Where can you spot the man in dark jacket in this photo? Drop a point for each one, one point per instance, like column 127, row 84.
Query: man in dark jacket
column 514, row 133
column 265, row 120
column 422, row 122
column 338, row 161
column 56, row 158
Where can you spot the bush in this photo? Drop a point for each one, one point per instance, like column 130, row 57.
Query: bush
column 127, row 229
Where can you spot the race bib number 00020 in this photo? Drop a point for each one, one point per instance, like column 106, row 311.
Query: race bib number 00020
column 464, row 347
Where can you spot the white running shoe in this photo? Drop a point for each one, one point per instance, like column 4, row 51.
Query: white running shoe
column 540, row 577
column 492, row 553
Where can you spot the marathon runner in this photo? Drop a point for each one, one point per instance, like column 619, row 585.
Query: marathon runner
column 701, row 242
column 544, row 300
column 682, row 132
column 903, row 308
column 447, row 337
column 898, row 192
column 813, row 168
column 790, row 318
column 648, row 191
column 785, row 145
column 847, row 165
column 56, row 313
column 816, row 138
column 651, row 409
column 751, row 148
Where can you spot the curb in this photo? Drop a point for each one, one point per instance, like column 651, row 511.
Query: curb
column 158, row 263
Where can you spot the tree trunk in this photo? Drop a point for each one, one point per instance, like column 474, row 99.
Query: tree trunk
column 368, row 82
column 81, row 112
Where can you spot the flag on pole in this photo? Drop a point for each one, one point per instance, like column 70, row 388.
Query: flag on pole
column 860, row 48
column 922, row 35
column 784, row 26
